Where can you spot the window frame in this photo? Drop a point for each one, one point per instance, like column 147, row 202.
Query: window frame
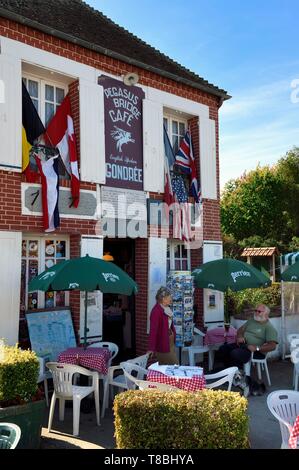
column 41, row 265
column 42, row 82
column 171, row 246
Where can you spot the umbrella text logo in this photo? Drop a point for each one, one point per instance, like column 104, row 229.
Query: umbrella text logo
column 110, row 277
column 73, row 285
column 240, row 274
column 47, row 275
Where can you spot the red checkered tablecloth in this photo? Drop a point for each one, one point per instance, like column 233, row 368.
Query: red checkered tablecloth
column 219, row 335
column 191, row 384
column 91, row 358
column 294, row 434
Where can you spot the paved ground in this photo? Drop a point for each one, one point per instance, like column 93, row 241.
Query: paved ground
column 264, row 429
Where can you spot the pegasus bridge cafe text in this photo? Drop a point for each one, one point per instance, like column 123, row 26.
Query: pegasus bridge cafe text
column 125, row 105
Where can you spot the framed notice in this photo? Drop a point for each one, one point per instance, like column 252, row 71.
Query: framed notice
column 123, row 134
column 51, row 332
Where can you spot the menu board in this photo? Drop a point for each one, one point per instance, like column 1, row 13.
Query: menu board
column 51, row 332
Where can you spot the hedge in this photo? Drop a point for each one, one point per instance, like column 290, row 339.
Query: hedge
column 18, row 375
column 208, row 419
column 236, row 302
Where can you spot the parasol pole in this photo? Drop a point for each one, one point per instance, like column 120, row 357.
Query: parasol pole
column 85, row 322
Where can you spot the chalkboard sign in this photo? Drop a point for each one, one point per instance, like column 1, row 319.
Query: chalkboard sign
column 51, row 332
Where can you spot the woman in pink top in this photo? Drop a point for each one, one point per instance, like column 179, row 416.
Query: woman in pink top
column 162, row 331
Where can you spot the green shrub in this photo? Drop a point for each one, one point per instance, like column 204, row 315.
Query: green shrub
column 206, row 419
column 248, row 298
column 18, row 374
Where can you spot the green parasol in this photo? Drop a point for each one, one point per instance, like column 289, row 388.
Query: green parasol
column 291, row 274
column 85, row 274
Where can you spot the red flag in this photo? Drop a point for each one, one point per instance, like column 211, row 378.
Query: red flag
column 60, row 133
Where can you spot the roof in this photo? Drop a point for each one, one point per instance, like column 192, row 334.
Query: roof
column 264, row 251
column 77, row 22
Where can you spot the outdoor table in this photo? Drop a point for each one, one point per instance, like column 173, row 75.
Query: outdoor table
column 294, row 434
column 220, row 336
column 91, row 358
column 191, row 384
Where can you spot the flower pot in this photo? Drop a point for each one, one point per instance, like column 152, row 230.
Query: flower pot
column 29, row 418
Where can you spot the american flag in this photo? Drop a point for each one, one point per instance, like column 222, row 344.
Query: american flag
column 184, row 159
column 182, row 222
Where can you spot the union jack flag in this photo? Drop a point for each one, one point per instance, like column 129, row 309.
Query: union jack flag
column 184, row 159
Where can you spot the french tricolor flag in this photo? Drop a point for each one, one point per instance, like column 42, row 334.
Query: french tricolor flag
column 50, row 192
column 60, row 133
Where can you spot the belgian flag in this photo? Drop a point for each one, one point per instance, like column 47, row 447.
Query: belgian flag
column 32, row 129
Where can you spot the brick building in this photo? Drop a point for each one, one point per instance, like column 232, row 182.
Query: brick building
column 71, row 48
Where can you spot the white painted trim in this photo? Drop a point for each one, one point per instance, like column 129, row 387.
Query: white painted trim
column 26, row 211
column 177, row 102
column 50, row 61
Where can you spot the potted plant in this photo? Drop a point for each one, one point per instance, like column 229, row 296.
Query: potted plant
column 21, row 401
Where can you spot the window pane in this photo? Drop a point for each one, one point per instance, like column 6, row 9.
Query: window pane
column 184, row 252
column 168, row 265
column 182, row 128
column 175, row 143
column 59, row 95
column 165, row 123
column 174, row 127
column 60, row 299
column 33, row 89
column 60, row 249
column 49, row 112
column 33, row 248
column 177, row 250
column 32, row 301
column 35, row 102
column 24, row 247
column 49, row 93
column 184, row 265
column 50, row 248
column 177, row 265
column 49, row 299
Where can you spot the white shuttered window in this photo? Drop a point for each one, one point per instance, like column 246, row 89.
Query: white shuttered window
column 10, row 113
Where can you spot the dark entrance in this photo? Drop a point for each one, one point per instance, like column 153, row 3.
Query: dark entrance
column 119, row 310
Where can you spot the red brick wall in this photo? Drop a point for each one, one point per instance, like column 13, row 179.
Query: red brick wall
column 10, row 183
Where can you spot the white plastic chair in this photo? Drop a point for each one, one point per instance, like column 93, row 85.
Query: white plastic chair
column 10, row 435
column 284, row 405
column 295, row 361
column 119, row 380
column 291, row 337
column 261, row 365
column 43, row 376
column 65, row 390
column 197, row 347
column 113, row 348
column 134, row 383
column 226, row 375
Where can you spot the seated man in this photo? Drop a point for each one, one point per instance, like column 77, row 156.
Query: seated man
column 257, row 335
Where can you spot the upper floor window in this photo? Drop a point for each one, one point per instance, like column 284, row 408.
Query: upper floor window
column 176, row 130
column 46, row 96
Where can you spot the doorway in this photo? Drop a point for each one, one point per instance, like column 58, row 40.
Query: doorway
column 119, row 310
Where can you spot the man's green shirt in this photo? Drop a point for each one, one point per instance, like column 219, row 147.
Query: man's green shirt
column 257, row 333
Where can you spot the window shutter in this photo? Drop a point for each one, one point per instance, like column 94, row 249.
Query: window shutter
column 153, row 151
column 10, row 281
column 156, row 270
column 10, row 113
column 92, row 246
column 92, row 132
column 208, row 174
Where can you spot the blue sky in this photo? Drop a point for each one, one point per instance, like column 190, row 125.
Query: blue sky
column 248, row 48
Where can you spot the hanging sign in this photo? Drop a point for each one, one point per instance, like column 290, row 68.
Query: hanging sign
column 123, row 134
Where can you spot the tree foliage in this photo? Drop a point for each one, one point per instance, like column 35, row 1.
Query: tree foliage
column 261, row 207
